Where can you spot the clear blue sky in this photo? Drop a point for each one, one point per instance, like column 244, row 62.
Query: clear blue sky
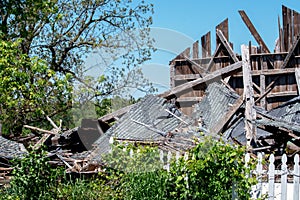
column 177, row 24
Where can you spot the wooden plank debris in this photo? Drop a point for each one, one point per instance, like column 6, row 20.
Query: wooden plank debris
column 253, row 31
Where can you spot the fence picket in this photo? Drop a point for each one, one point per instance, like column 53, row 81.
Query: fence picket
column 296, row 177
column 169, row 157
column 284, row 173
column 271, row 178
column 259, row 173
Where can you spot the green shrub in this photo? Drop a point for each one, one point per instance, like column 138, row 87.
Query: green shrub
column 33, row 177
column 213, row 170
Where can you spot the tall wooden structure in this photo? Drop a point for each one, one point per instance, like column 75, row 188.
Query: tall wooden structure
column 275, row 75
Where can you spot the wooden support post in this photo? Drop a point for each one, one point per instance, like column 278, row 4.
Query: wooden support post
column 250, row 113
column 253, row 31
column 297, row 74
column 227, row 46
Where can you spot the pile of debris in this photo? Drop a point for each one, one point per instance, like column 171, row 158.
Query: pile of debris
column 250, row 99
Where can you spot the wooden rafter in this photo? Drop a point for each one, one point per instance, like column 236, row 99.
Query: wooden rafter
column 253, row 31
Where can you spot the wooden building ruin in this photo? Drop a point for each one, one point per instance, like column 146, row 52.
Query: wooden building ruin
column 275, row 75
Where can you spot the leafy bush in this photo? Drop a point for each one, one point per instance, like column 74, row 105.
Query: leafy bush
column 213, row 170
column 33, row 177
column 138, row 171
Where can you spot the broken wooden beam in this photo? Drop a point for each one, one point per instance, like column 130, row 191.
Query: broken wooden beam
column 226, row 44
column 226, row 71
column 253, row 31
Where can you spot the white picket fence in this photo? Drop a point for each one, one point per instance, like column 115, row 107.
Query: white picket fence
column 282, row 184
column 275, row 184
column 278, row 184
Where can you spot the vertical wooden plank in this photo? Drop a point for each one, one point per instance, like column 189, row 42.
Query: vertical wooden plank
column 250, row 113
column 206, row 45
column 287, row 27
column 284, row 173
column 196, row 50
column 284, row 27
column 296, row 19
column 271, row 178
column 296, row 177
column 223, row 26
column 297, row 75
column 280, row 35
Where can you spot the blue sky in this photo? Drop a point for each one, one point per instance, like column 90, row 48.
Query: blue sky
column 177, row 24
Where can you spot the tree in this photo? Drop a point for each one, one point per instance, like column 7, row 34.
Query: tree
column 29, row 89
column 63, row 32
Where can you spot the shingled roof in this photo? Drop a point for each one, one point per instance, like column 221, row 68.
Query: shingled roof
column 10, row 149
column 148, row 120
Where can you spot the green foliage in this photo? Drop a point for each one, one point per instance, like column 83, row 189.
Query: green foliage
column 29, row 89
column 138, row 170
column 53, row 40
column 33, row 178
column 212, row 171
